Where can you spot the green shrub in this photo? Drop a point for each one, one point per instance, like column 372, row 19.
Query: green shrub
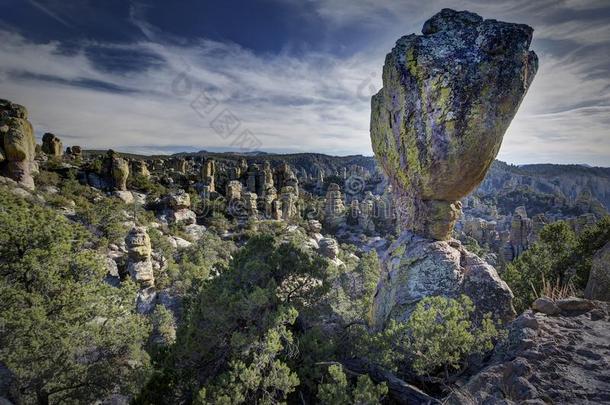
column 441, row 334
column 46, row 178
column 68, row 336
column 338, row 390
column 549, row 260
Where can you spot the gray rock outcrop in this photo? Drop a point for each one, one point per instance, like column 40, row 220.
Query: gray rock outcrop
column 559, row 359
column 598, row 285
column 415, row 267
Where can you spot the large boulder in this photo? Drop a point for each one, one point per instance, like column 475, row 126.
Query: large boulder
column 448, row 96
column 51, row 145
column 598, row 286
column 415, row 267
column 17, row 146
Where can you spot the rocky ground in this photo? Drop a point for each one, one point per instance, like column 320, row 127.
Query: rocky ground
column 563, row 358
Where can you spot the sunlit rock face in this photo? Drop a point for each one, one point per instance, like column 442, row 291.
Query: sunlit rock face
column 448, row 96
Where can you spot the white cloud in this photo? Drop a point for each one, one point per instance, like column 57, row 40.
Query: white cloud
column 312, row 103
column 316, row 102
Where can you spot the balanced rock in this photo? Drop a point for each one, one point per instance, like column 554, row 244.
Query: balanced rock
column 51, row 145
column 448, row 96
column 17, row 146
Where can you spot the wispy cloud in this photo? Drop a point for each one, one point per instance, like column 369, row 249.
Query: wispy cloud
column 313, row 101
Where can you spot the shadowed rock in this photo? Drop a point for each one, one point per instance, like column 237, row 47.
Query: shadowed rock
column 448, row 96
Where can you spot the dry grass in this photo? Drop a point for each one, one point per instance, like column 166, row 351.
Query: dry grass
column 555, row 291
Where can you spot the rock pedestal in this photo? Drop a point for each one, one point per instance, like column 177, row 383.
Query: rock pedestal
column 208, row 174
column 179, row 211
column 233, row 191
column 17, row 146
column 416, row 267
column 437, row 124
column 288, row 200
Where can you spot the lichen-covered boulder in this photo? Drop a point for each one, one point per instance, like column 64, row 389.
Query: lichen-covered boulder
column 448, row 96
column 415, row 267
column 17, row 143
column 51, row 145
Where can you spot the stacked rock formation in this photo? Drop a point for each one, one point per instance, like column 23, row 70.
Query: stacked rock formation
column 266, row 180
column 334, row 209
column 17, row 146
column 329, row 248
column 288, row 204
column 252, row 179
column 520, row 230
column 178, row 165
column 116, row 170
column 74, row 151
column 437, row 124
column 233, row 190
column 139, row 263
column 179, row 211
column 250, row 207
column 208, row 173
column 51, row 145
column 285, row 177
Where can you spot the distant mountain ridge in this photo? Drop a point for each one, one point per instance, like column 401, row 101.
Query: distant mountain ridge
column 568, row 181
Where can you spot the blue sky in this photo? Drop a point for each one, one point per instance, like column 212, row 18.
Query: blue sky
column 278, row 75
